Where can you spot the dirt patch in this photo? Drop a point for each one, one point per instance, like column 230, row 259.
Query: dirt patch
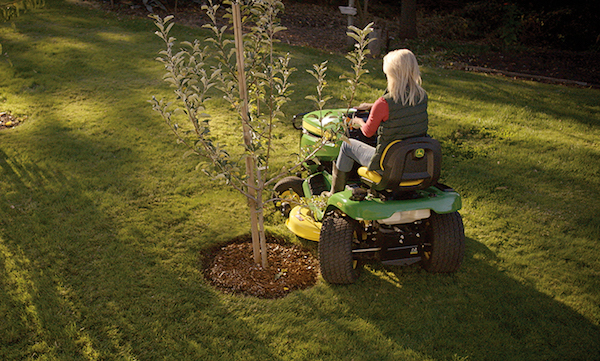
column 571, row 68
column 8, row 121
column 231, row 269
column 324, row 27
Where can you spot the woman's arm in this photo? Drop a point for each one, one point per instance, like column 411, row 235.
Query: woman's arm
column 364, row 106
column 379, row 113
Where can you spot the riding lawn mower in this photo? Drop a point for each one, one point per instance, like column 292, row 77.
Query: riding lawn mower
column 398, row 215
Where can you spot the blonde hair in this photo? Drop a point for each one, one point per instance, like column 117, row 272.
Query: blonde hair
column 403, row 77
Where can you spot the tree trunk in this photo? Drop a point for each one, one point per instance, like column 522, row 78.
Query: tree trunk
column 349, row 40
column 256, row 220
column 408, row 20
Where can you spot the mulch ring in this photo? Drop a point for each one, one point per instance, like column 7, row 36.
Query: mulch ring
column 231, row 269
column 7, row 121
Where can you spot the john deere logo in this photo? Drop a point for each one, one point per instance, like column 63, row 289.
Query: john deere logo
column 419, row 153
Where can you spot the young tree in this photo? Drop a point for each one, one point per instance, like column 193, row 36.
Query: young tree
column 249, row 61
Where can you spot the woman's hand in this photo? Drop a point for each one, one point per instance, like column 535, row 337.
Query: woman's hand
column 357, row 122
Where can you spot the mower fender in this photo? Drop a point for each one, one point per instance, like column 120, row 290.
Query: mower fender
column 432, row 198
column 329, row 151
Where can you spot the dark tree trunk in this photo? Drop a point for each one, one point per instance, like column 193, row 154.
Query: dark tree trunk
column 408, row 20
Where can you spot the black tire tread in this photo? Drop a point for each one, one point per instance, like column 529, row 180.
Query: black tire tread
column 335, row 250
column 287, row 183
column 447, row 237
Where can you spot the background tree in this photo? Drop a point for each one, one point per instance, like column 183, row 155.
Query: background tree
column 408, row 20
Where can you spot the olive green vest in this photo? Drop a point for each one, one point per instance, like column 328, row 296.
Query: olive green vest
column 405, row 121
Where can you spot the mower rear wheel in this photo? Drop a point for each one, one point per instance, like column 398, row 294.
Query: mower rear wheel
column 446, row 243
column 335, row 250
column 289, row 191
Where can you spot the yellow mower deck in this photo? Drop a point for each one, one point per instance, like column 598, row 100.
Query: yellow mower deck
column 302, row 224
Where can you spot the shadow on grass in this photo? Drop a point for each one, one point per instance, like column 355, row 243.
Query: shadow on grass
column 94, row 259
column 74, row 287
column 479, row 313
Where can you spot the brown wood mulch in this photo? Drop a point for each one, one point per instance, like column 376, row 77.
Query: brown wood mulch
column 7, row 121
column 231, row 269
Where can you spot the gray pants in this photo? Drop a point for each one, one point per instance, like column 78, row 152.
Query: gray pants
column 356, row 151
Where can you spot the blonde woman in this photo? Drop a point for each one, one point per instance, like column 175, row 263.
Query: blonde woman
column 399, row 114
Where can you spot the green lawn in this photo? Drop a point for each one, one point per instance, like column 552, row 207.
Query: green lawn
column 102, row 222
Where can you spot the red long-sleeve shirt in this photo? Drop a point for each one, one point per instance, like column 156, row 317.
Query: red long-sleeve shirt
column 380, row 112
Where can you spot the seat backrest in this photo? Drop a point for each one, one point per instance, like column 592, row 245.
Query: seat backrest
column 410, row 164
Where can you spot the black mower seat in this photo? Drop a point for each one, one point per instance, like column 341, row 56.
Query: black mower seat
column 406, row 165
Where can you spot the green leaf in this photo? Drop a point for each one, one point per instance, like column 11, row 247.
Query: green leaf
column 188, row 153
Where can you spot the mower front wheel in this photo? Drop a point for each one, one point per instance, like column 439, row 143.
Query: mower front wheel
column 335, row 250
column 289, row 191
